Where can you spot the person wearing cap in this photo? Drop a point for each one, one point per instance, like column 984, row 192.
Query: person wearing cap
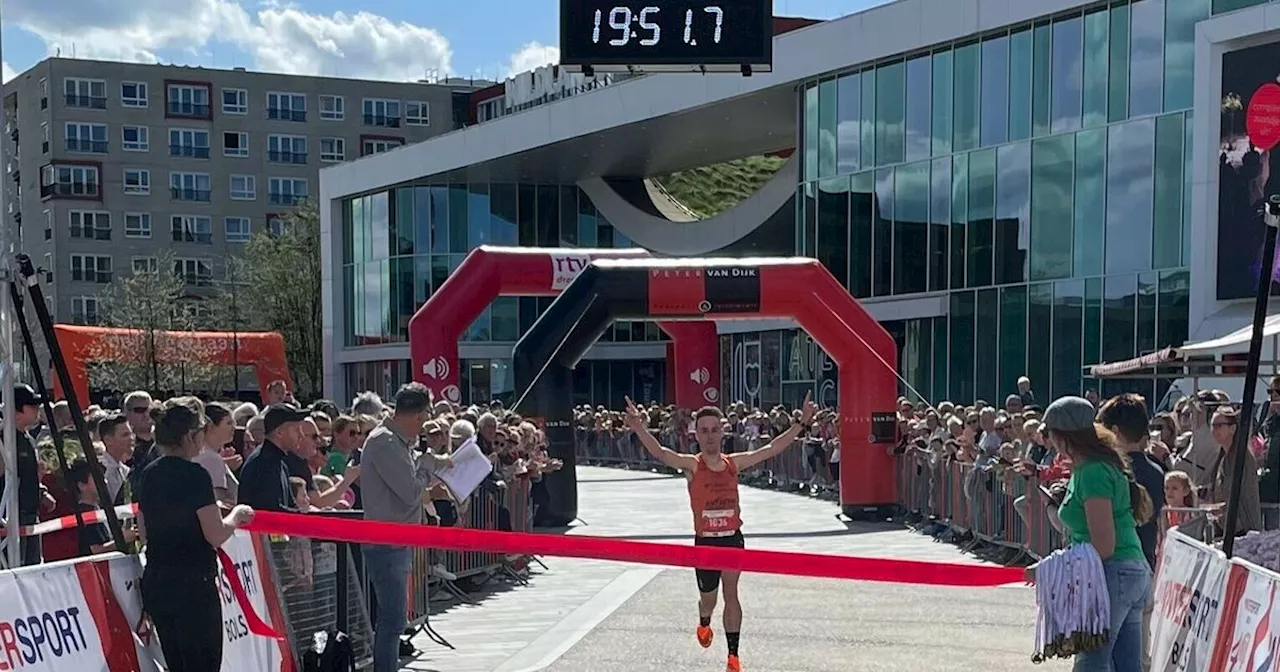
column 26, row 412
column 393, row 481
column 264, row 478
column 1103, row 507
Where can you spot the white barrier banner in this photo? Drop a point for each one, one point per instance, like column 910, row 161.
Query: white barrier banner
column 1247, row 642
column 1189, row 593
column 46, row 623
column 242, row 650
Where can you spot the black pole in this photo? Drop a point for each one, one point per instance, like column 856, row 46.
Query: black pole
column 28, row 272
column 38, row 379
column 1271, row 217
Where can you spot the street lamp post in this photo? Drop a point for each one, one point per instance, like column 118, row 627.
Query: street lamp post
column 235, row 332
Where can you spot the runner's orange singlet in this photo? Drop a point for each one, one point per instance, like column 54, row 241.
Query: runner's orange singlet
column 714, row 497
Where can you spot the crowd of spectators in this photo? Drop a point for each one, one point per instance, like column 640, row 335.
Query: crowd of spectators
column 319, row 444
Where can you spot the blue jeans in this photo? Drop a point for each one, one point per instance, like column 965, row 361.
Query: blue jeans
column 1129, row 586
column 387, row 569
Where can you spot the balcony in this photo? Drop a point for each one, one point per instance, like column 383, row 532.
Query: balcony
column 189, row 151
column 287, row 157
column 90, row 233
column 381, row 120
column 178, row 108
column 70, row 189
column 100, row 277
column 87, row 146
column 197, row 279
column 281, row 114
column 200, row 195
column 87, row 317
column 185, row 236
column 89, row 102
column 276, row 198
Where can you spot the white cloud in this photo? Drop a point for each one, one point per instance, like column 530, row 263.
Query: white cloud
column 279, row 38
column 532, row 55
column 8, row 71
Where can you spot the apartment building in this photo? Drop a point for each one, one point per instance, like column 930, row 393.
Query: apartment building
column 109, row 164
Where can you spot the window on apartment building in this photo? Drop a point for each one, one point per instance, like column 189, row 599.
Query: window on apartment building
column 133, row 94
column 86, row 138
column 417, row 113
column 188, row 100
column 244, row 187
column 287, row 149
column 235, row 143
column 69, row 180
column 145, row 265
column 235, row 101
column 190, row 186
column 287, row 106
column 85, row 310
column 91, row 268
column 333, row 150
column 286, row 190
column 44, row 137
column 137, row 225
column 48, row 225
column 192, row 229
column 135, row 138
column 137, row 181
column 197, row 272
column 378, row 145
column 333, row 108
column 189, row 142
column 90, row 224
column 238, row 229
column 85, row 93
column 381, row 112
column 275, row 225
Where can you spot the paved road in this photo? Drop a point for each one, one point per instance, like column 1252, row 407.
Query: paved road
column 590, row 616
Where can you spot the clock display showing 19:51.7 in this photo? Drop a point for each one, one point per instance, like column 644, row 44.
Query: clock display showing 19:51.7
column 658, row 32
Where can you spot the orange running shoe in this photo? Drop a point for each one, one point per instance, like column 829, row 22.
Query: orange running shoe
column 734, row 664
column 705, row 635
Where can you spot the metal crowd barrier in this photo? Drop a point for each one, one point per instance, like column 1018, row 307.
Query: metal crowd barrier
column 995, row 508
column 311, row 598
column 319, row 588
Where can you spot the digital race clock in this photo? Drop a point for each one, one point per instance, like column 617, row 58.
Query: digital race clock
column 666, row 34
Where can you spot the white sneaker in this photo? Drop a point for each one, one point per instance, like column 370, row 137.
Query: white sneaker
column 439, row 570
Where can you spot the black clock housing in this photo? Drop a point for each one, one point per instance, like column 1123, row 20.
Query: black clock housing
column 666, row 34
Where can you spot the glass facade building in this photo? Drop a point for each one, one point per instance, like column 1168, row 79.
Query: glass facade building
column 1039, row 176
column 400, row 245
column 1029, row 189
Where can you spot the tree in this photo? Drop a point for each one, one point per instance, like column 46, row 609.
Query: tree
column 277, row 285
column 154, row 308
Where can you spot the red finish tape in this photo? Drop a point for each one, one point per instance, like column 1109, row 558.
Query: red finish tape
column 256, row 625
column 601, row 548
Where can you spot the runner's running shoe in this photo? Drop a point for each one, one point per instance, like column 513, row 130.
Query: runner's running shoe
column 705, row 635
column 734, row 665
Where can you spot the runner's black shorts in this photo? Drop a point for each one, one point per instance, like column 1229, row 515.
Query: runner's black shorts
column 709, row 579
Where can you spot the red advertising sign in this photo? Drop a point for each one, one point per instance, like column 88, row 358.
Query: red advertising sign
column 1262, row 120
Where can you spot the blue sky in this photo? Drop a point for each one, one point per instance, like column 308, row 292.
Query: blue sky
column 389, row 39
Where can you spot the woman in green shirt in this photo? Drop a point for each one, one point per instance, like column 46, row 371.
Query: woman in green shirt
column 1103, row 507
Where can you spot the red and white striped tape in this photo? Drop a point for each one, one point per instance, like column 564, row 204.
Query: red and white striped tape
column 123, row 512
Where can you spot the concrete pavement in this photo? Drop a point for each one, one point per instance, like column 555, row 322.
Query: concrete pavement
column 592, row 616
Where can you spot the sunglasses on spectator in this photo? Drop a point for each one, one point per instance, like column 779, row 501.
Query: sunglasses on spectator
column 140, row 409
column 1224, row 423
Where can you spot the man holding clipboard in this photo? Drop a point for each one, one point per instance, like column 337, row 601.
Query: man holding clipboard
column 393, row 478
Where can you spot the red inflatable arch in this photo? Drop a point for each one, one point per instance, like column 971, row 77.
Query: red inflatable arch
column 264, row 350
column 717, row 289
column 490, row 272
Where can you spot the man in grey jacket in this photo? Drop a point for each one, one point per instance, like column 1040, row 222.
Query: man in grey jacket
column 393, row 479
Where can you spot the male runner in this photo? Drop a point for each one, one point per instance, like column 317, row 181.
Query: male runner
column 713, row 494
